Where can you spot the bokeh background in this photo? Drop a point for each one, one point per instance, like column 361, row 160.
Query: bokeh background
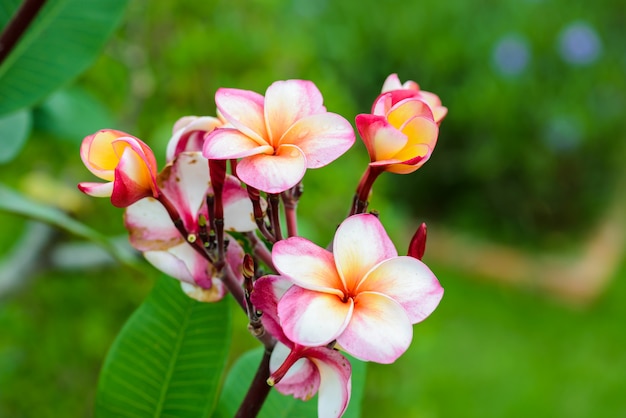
column 524, row 194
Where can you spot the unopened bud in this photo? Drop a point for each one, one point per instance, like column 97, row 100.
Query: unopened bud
column 417, row 247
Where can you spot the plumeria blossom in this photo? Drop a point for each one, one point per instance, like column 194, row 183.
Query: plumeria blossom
column 185, row 182
column 363, row 295
column 298, row 370
column 126, row 162
column 431, row 99
column 400, row 134
column 279, row 135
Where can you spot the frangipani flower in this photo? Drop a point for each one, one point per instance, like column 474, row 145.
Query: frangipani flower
column 432, row 100
column 363, row 295
column 298, row 370
column 277, row 136
column 185, row 182
column 400, row 134
column 124, row 161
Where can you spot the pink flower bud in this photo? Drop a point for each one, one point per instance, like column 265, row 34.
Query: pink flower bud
column 417, row 246
column 126, row 162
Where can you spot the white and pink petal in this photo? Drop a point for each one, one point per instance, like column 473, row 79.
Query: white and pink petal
column 313, row 318
column 273, row 173
column 379, row 329
column 360, row 243
column 307, row 265
column 409, row 282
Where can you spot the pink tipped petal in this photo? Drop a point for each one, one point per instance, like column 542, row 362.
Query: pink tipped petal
column 150, row 227
column 288, row 101
column 229, row 143
column 274, row 173
column 409, row 282
column 312, row 318
column 96, row 189
column 183, row 263
column 360, row 243
column 335, row 381
column 322, row 137
column 238, row 213
column 188, row 134
column 408, row 109
column 244, row 110
column 379, row 329
column 185, row 182
column 302, row 379
column 383, row 141
column 421, row 130
column 213, row 294
column 307, row 265
column 391, row 83
column 267, row 291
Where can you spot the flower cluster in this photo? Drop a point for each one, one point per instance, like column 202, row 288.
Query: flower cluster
column 211, row 218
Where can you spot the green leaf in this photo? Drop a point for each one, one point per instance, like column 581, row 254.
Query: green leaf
column 71, row 114
column 276, row 404
column 168, row 359
column 62, row 41
column 17, row 204
column 14, row 130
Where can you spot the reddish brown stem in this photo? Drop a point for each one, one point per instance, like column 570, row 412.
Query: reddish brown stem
column 258, row 391
column 18, row 25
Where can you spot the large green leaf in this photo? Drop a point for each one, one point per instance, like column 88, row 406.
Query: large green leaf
column 62, row 41
column 14, row 130
column 17, row 204
column 278, row 405
column 168, row 359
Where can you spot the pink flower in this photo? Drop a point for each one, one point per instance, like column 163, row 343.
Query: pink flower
column 124, row 161
column 400, row 134
column 277, row 136
column 362, row 294
column 298, row 370
column 431, row 99
column 185, row 182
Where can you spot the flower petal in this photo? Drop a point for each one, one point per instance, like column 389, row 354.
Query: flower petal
column 360, row 243
column 267, row 291
column 288, row 101
column 301, row 380
column 228, row 143
column 322, row 137
column 312, row 318
column 421, row 130
column 185, row 183
column 379, row 329
column 409, row 282
column 188, row 134
column 183, row 263
column 244, row 110
column 213, row 294
column 382, row 140
column 273, row 173
column 238, row 212
column 150, row 227
column 133, row 179
column 335, row 381
column 307, row 265
column 406, row 110
column 96, row 189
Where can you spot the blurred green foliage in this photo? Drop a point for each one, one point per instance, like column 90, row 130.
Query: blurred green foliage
column 529, row 156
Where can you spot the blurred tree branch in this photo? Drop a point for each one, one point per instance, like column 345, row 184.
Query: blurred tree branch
column 18, row 25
